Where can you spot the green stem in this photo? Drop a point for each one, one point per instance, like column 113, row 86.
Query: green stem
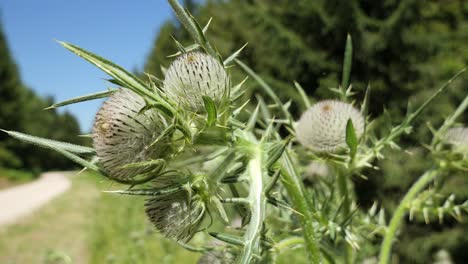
column 343, row 190
column 397, row 218
column 293, row 184
column 257, row 201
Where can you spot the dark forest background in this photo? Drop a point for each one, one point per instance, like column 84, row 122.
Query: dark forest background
column 22, row 110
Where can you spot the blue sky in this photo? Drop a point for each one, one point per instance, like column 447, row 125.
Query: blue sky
column 122, row 31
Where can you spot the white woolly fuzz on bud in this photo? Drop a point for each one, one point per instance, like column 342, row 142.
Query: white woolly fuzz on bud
column 217, row 257
column 177, row 216
column 193, row 75
column 458, row 137
column 322, row 127
column 316, row 169
column 122, row 135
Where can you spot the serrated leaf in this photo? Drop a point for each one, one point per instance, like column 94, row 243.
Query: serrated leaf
column 303, row 95
column 266, row 88
column 203, row 40
column 351, row 139
column 144, row 164
column 158, row 106
column 253, row 119
column 365, row 103
column 116, row 82
column 61, row 147
column 348, row 56
column 234, row 55
column 412, row 116
column 187, row 49
column 234, row 240
column 210, row 108
column 216, row 203
column 50, row 144
column 180, row 47
column 205, row 29
column 237, row 91
column 79, row 160
column 83, row 98
column 151, row 192
column 120, row 75
column 275, row 152
column 184, row 18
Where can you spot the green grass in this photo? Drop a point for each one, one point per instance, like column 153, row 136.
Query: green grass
column 59, row 228
column 9, row 177
column 87, row 226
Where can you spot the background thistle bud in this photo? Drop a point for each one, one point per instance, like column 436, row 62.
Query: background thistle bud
column 217, row 257
column 122, row 135
column 193, row 75
column 322, row 127
column 316, row 169
column 458, row 137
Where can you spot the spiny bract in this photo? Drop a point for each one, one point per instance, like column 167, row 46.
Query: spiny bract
column 122, row 135
column 193, row 75
column 322, row 127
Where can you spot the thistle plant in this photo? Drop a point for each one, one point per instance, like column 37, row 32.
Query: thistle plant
column 182, row 142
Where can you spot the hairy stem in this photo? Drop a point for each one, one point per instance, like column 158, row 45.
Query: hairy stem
column 397, row 218
column 257, row 201
column 293, row 184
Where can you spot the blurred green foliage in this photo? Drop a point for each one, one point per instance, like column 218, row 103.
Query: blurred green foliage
column 22, row 110
column 16, row 175
column 403, row 49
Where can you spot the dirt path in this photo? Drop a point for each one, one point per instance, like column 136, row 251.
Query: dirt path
column 19, row 201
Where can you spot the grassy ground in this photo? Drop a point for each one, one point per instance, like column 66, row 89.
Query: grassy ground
column 87, row 226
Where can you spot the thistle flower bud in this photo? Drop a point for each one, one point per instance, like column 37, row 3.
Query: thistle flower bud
column 217, row 257
column 193, row 75
column 176, row 216
column 316, row 169
column 322, row 127
column 122, row 135
column 458, row 137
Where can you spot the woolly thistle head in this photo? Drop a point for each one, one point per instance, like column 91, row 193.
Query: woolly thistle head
column 316, row 169
column 122, row 135
column 322, row 127
column 176, row 215
column 193, row 75
column 217, row 257
column 458, row 137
